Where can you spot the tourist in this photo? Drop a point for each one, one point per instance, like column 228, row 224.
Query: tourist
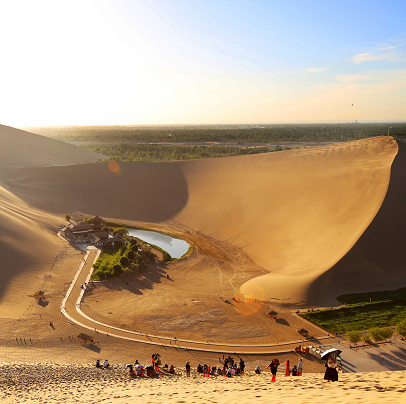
column 130, row 369
column 187, row 369
column 97, row 364
column 300, row 367
column 294, row 371
column 106, row 364
column 172, row 369
column 274, row 368
column 242, row 365
column 331, row 367
column 231, row 361
column 226, row 362
column 257, row 370
column 287, row 368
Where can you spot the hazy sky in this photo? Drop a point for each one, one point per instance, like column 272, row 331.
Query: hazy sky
column 201, row 61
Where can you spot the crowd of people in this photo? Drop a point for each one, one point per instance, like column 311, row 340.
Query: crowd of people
column 228, row 368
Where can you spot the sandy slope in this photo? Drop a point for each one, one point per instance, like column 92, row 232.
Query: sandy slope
column 20, row 148
column 52, row 383
column 287, row 216
column 28, row 244
column 378, row 255
column 293, row 213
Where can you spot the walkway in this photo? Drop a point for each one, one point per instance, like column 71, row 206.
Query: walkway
column 70, row 308
column 374, row 358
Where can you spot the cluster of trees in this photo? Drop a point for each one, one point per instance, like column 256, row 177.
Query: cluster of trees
column 377, row 334
column 125, row 259
column 158, row 152
column 225, row 133
column 121, row 231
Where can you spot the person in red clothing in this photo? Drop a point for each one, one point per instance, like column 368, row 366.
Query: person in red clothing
column 287, row 369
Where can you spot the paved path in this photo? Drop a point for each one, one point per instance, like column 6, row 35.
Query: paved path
column 374, row 358
column 70, row 308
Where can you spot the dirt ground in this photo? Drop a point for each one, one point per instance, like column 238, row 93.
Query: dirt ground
column 191, row 304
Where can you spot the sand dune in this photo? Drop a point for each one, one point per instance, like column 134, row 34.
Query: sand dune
column 28, row 243
column 295, row 213
column 56, row 383
column 377, row 261
column 19, row 148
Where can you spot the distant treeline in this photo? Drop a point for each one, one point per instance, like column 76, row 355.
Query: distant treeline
column 232, row 133
column 159, row 152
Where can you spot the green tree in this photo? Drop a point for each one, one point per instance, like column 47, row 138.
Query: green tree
column 87, row 220
column 386, row 332
column 67, row 218
column 401, row 328
column 124, row 261
column 116, row 270
column 131, row 255
column 366, row 338
column 120, row 231
column 376, row 334
column 354, row 336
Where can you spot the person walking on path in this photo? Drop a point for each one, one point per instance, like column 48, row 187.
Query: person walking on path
column 187, row 369
column 287, row 368
column 274, row 368
column 300, row 367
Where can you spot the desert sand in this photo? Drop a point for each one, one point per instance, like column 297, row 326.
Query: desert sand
column 295, row 214
column 56, row 383
column 290, row 229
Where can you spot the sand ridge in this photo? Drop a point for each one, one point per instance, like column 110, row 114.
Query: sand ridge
column 19, row 148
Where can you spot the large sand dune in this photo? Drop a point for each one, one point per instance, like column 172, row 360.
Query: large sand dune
column 20, row 148
column 295, row 213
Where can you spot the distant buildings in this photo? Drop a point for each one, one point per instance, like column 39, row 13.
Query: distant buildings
column 92, row 231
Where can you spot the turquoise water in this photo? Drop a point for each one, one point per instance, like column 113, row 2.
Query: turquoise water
column 174, row 246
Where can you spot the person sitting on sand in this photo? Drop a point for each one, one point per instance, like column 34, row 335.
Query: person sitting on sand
column 257, row 370
column 130, row 369
column 106, row 364
column 294, row 371
column 172, row 369
column 199, row 368
column 97, row 364
column 219, row 371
